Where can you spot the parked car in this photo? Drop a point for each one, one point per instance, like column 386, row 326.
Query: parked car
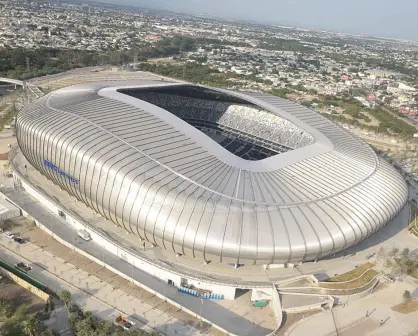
column 19, row 240
column 9, row 235
column 23, row 267
column 123, row 322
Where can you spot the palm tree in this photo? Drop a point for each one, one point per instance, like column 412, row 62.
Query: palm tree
column 29, row 326
column 6, row 309
column 65, row 296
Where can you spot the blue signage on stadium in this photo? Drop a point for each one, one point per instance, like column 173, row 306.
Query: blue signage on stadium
column 50, row 165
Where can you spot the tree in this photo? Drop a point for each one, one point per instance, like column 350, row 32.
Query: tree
column 405, row 253
column 30, row 325
column 11, row 328
column 6, row 309
column 394, row 252
column 380, row 254
column 65, row 296
column 20, row 313
column 406, row 297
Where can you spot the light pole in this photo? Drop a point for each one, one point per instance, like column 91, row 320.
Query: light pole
column 200, row 314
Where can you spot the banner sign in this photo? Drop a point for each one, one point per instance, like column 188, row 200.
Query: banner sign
column 53, row 167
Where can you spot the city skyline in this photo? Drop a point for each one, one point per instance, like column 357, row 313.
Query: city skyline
column 381, row 18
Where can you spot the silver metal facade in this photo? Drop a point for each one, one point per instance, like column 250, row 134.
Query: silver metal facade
column 159, row 178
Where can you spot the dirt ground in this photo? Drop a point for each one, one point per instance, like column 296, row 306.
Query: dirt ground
column 410, row 307
column 18, row 296
column 161, row 59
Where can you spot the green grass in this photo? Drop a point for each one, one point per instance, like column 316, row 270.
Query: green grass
column 339, row 282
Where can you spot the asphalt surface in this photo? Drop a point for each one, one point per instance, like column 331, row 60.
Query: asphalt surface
column 222, row 317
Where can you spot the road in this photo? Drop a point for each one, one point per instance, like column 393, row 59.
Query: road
column 88, row 291
column 220, row 316
column 226, row 319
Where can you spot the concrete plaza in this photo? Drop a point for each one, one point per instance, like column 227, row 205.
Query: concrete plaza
column 105, row 300
column 351, row 320
column 244, row 323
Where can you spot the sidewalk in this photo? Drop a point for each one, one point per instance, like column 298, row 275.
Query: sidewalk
column 89, row 292
column 352, row 320
column 59, row 320
column 223, row 318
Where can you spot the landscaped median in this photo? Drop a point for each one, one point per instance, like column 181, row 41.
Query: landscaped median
column 358, row 281
column 356, row 278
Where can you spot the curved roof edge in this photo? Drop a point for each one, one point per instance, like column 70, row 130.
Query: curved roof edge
column 321, row 145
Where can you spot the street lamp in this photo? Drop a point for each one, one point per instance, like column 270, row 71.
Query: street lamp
column 201, row 305
column 132, row 273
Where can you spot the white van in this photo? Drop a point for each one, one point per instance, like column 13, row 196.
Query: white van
column 84, row 235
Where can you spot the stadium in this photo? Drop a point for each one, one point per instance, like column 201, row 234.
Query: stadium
column 212, row 174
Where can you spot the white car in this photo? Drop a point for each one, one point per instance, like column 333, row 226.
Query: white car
column 84, row 235
column 9, row 235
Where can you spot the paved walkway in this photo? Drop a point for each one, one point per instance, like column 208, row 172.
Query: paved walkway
column 59, row 320
column 211, row 311
column 89, row 292
column 393, row 234
column 352, row 321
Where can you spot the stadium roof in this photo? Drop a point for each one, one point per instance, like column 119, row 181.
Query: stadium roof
column 164, row 180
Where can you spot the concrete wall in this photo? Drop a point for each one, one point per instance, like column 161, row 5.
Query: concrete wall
column 276, row 306
column 345, row 299
column 261, row 294
column 26, row 285
column 303, row 308
column 328, row 301
column 123, row 275
column 112, row 247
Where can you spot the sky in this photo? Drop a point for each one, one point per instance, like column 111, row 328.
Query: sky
column 383, row 18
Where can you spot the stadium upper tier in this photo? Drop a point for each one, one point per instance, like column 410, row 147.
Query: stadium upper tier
column 211, row 173
column 257, row 125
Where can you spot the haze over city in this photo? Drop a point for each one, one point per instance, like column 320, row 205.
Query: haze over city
column 385, row 18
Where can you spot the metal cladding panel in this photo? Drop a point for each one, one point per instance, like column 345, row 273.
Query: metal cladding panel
column 311, row 238
column 249, row 233
column 160, row 178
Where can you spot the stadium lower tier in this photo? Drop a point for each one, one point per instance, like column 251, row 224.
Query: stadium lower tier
column 240, row 144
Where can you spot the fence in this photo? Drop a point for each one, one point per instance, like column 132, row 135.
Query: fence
column 336, row 291
column 22, row 279
column 13, row 153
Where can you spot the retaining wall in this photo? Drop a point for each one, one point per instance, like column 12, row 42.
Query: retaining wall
column 123, row 275
column 17, row 276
